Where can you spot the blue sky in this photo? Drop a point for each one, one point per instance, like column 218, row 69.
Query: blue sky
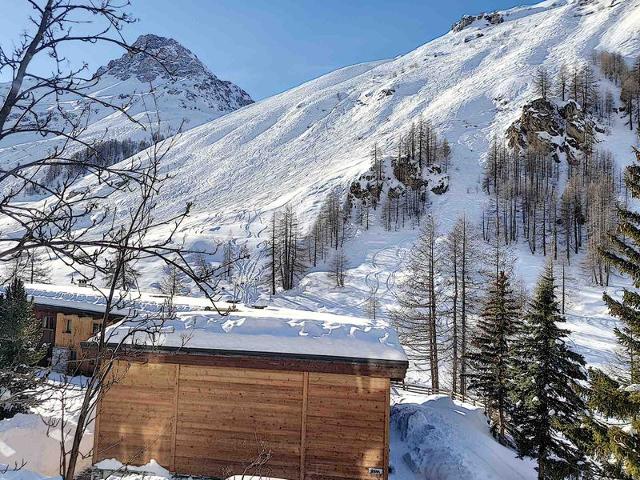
column 268, row 46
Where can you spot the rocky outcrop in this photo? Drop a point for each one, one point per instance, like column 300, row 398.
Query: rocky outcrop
column 492, row 18
column 560, row 130
column 399, row 178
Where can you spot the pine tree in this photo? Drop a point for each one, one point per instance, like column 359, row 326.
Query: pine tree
column 546, row 392
column 21, row 349
column 618, row 396
column 492, row 351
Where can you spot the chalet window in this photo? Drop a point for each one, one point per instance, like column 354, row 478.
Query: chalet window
column 48, row 322
column 67, row 328
column 96, row 328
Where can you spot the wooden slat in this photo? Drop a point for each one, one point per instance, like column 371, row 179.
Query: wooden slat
column 387, row 426
column 225, row 415
column 124, row 434
column 303, row 430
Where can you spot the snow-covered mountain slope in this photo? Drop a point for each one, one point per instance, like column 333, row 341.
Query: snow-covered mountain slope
column 471, row 84
column 185, row 93
column 297, row 146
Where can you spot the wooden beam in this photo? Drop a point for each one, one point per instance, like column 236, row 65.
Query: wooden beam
column 387, row 426
column 174, row 433
column 303, row 434
column 273, row 361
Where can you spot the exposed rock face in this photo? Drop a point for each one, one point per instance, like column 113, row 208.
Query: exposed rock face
column 493, row 18
column 165, row 59
column 562, row 131
column 399, row 179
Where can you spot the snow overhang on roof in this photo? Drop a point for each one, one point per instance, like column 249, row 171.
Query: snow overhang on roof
column 88, row 299
column 271, row 331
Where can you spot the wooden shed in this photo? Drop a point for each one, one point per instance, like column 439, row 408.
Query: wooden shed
column 304, row 395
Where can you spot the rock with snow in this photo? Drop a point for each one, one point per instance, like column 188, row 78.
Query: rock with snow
column 159, row 59
column 556, row 129
column 166, row 88
column 493, row 18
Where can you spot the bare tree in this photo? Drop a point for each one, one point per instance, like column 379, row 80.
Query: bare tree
column 75, row 226
column 462, row 253
column 542, row 82
column 338, row 267
column 419, row 300
column 372, row 305
column 286, row 249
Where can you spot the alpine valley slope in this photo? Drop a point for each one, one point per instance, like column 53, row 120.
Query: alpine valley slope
column 297, row 146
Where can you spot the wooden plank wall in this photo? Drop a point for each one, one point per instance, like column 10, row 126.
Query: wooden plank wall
column 346, row 426
column 228, row 418
column 313, row 426
column 136, row 415
column 81, row 330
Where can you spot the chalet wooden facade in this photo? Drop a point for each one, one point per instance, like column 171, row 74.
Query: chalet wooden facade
column 212, row 412
column 64, row 329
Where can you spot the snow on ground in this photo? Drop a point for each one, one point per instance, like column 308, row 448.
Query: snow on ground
column 436, row 438
column 297, row 146
column 431, row 437
column 33, row 438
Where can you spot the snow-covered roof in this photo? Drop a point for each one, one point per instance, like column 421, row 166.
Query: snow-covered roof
column 269, row 331
column 88, row 299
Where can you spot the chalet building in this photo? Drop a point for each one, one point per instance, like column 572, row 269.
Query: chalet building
column 273, row 392
column 63, row 329
column 72, row 314
column 69, row 315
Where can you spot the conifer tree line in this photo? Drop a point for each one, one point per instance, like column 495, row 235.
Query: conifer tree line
column 557, row 216
column 393, row 192
column 436, row 298
column 614, row 395
column 102, row 153
column 493, row 343
column 292, row 252
column 627, row 78
column 518, row 359
column 559, row 208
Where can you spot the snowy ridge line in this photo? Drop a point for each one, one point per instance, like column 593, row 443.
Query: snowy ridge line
column 427, row 390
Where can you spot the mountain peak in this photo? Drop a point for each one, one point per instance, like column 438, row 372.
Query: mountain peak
column 180, row 72
column 161, row 58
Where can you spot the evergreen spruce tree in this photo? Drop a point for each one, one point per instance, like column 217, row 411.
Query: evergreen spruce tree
column 617, row 397
column 21, row 349
column 492, row 350
column 546, row 393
